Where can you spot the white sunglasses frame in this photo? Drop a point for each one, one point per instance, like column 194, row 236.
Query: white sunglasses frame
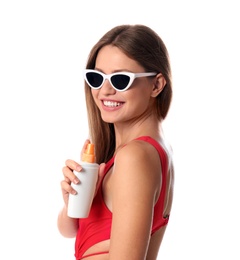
column 131, row 75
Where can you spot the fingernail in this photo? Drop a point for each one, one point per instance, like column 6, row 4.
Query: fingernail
column 76, row 181
column 78, row 168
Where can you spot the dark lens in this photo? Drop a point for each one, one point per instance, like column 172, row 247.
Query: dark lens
column 120, row 81
column 94, row 79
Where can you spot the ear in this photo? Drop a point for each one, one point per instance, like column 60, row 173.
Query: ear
column 159, row 84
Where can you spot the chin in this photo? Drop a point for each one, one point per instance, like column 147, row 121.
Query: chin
column 109, row 120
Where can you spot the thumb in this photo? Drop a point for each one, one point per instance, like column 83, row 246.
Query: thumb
column 101, row 169
column 100, row 174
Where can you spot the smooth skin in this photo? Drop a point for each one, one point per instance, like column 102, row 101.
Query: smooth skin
column 132, row 185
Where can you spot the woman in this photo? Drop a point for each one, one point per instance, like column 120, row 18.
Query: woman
column 128, row 94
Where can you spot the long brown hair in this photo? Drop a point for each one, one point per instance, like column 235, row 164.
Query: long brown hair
column 142, row 44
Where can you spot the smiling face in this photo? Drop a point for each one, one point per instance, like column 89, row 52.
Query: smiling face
column 130, row 105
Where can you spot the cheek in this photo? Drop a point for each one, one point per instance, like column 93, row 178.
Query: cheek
column 139, row 101
column 95, row 96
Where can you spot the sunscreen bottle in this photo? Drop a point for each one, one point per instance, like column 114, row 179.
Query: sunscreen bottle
column 79, row 204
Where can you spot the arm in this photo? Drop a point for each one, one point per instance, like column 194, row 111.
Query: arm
column 135, row 187
column 67, row 226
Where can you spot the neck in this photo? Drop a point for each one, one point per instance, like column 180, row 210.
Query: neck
column 127, row 131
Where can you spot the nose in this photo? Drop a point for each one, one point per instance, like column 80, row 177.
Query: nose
column 107, row 88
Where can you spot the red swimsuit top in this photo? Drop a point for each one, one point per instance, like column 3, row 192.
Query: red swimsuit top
column 97, row 227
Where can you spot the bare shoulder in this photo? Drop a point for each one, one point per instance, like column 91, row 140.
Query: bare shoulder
column 138, row 160
column 139, row 152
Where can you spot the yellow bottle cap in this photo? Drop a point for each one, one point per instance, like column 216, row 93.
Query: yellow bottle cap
column 89, row 154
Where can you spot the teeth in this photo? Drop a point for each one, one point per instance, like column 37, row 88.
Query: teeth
column 111, row 104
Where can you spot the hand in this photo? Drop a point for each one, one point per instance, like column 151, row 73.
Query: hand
column 69, row 176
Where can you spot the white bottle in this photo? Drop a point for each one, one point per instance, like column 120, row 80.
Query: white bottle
column 79, row 205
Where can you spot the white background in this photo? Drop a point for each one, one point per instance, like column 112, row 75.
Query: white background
column 43, row 49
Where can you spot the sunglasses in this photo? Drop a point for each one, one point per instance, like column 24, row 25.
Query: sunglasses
column 120, row 81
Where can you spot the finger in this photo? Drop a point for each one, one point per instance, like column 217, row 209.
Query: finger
column 67, row 188
column 67, row 179
column 73, row 165
column 69, row 175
